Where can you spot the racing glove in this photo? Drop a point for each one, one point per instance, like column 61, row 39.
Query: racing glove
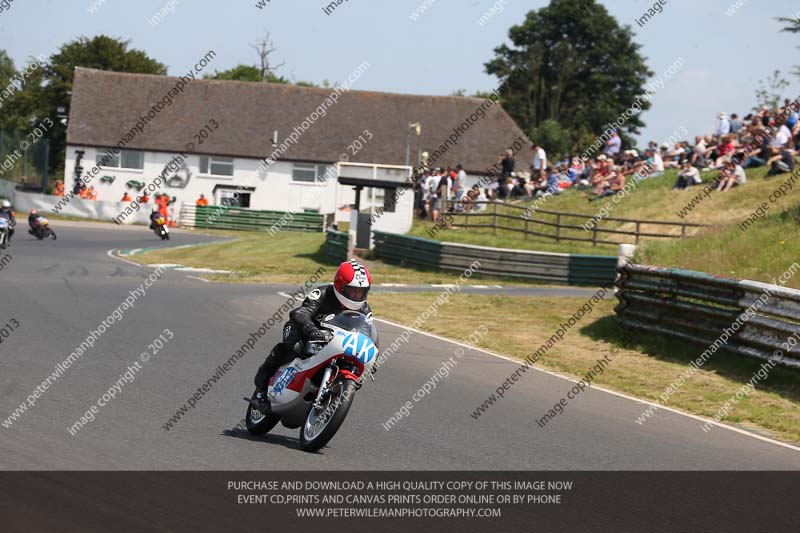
column 313, row 333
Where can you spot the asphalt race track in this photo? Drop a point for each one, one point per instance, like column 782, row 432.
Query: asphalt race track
column 59, row 291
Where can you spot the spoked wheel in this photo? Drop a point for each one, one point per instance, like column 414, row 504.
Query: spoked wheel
column 323, row 423
column 257, row 422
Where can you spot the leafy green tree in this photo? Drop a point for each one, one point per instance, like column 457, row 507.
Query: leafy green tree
column 100, row 52
column 8, row 118
column 238, row 73
column 553, row 137
column 793, row 26
column 571, row 62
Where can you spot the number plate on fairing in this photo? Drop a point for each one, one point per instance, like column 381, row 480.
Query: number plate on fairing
column 359, row 346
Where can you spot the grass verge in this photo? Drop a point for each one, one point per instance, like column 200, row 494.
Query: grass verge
column 288, row 257
column 518, row 325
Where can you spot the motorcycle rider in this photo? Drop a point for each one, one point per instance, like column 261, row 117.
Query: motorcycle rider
column 7, row 213
column 349, row 290
column 33, row 220
column 153, row 217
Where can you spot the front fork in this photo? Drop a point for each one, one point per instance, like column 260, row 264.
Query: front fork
column 327, row 378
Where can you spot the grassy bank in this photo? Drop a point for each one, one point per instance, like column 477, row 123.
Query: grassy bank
column 287, row 257
column 762, row 252
column 518, row 325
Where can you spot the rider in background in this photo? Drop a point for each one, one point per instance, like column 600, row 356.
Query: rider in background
column 33, row 219
column 348, row 291
column 154, row 216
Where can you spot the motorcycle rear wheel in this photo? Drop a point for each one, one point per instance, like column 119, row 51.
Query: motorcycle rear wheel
column 320, row 428
column 257, row 422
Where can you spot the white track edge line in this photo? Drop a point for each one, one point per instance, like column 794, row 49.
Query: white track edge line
column 615, row 393
column 110, row 253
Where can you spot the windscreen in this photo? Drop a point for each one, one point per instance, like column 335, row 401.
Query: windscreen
column 355, row 321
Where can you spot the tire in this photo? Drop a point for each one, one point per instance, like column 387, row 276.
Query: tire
column 344, row 390
column 166, row 236
column 258, row 426
column 52, row 235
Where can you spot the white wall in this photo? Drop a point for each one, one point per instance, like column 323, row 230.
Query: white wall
column 98, row 210
column 274, row 190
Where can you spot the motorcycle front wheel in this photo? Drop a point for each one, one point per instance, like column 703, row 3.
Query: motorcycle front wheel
column 257, row 422
column 323, row 423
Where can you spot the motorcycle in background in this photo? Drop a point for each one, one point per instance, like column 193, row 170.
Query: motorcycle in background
column 5, row 233
column 161, row 229
column 316, row 391
column 42, row 229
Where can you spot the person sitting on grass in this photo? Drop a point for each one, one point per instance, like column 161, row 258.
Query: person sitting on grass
column 615, row 185
column 732, row 175
column 782, row 163
column 688, row 176
column 602, row 177
column 725, row 151
column 758, row 156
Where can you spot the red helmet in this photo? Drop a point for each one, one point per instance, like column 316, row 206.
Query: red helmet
column 351, row 284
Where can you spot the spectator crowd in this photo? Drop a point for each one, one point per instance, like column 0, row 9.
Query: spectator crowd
column 766, row 138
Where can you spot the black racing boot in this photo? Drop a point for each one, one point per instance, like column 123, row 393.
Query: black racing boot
column 268, row 368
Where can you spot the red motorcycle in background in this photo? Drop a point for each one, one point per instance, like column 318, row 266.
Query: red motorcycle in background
column 41, row 229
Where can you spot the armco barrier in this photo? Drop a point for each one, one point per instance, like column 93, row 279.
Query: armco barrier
column 336, row 246
column 697, row 307
column 543, row 266
column 241, row 219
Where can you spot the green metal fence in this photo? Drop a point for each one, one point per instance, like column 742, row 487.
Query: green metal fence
column 240, row 219
column 738, row 316
column 543, row 266
column 336, row 246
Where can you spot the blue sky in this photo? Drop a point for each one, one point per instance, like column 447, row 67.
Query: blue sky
column 444, row 50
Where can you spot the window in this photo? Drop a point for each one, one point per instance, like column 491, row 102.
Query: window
column 216, row 166
column 132, row 159
column 234, row 199
column 312, row 173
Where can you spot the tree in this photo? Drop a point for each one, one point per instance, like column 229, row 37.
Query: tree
column 572, row 63
column 793, row 27
column 553, row 137
column 264, row 48
column 769, row 91
column 238, row 73
column 100, row 52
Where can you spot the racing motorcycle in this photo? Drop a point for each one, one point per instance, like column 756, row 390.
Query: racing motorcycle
column 5, row 233
column 42, row 229
column 316, row 389
column 161, row 229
